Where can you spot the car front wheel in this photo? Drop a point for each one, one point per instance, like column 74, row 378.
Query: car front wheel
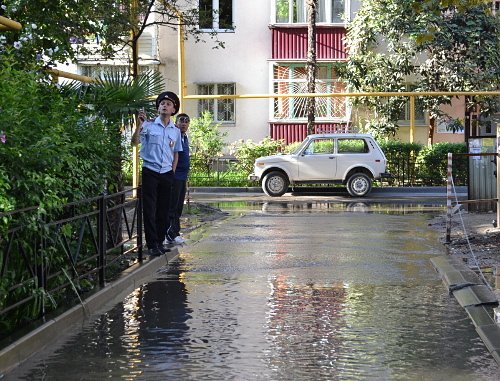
column 275, row 184
column 359, row 185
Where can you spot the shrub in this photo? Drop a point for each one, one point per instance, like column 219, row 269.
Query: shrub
column 207, row 142
column 51, row 152
column 432, row 163
column 248, row 151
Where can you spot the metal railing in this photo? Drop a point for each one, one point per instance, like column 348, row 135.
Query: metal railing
column 50, row 258
column 225, row 172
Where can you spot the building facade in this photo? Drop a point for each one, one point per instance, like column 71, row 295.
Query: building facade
column 265, row 52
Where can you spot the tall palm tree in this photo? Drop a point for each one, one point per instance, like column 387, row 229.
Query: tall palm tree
column 117, row 99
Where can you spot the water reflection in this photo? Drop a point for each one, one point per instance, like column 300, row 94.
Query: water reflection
column 145, row 332
column 304, row 327
column 315, row 292
column 368, row 332
column 328, row 205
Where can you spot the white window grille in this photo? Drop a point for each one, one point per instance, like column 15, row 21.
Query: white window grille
column 223, row 110
column 99, row 70
column 420, row 115
column 292, row 79
column 146, row 46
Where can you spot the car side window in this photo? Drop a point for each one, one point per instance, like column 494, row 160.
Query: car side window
column 352, row 146
column 320, row 147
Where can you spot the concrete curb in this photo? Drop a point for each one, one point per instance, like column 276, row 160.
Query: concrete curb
column 475, row 297
column 25, row 347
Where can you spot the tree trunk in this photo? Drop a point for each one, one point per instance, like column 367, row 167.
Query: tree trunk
column 311, row 63
column 430, row 131
column 134, row 52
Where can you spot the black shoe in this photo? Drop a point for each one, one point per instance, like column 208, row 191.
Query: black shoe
column 163, row 249
column 155, row 252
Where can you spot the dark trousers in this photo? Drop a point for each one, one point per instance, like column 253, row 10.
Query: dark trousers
column 176, row 207
column 156, row 194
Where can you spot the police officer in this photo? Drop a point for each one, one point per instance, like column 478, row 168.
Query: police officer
column 160, row 143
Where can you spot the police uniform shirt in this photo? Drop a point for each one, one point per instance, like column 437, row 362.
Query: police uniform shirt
column 158, row 144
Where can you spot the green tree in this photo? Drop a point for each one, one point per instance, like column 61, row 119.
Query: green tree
column 386, row 42
column 56, row 31
column 207, row 142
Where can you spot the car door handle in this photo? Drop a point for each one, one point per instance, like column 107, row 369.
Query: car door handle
column 331, row 157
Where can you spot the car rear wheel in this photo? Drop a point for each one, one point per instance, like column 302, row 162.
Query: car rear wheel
column 359, row 185
column 275, row 184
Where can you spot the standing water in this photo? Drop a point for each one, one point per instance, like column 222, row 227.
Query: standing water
column 287, row 292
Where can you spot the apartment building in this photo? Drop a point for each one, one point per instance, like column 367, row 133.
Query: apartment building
column 265, row 53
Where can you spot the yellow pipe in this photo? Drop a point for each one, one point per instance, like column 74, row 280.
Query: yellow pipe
column 7, row 24
column 78, row 77
column 337, row 95
column 182, row 68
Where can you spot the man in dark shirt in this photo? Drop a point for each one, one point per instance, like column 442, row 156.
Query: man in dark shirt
column 179, row 185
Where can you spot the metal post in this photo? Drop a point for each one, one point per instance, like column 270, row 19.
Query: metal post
column 448, row 198
column 42, row 281
column 135, row 168
column 498, row 175
column 188, row 197
column 182, row 68
column 101, row 239
column 139, row 224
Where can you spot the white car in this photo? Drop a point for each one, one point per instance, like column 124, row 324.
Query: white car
column 350, row 159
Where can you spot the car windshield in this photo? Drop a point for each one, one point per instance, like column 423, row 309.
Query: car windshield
column 301, row 146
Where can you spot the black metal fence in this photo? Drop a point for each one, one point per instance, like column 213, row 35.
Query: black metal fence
column 51, row 258
column 226, row 172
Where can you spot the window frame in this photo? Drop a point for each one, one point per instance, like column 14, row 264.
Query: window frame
column 495, row 6
column 214, row 104
column 294, row 16
column 216, row 6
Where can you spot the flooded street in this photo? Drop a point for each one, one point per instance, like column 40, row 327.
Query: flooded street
column 286, row 291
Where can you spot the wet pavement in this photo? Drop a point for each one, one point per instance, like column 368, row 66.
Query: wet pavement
column 297, row 288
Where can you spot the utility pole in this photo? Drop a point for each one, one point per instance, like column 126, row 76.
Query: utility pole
column 311, row 63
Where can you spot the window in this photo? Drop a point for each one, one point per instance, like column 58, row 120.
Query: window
column 292, row 79
column 295, row 11
column 352, row 146
column 216, row 14
column 223, row 110
column 404, row 117
column 496, row 6
column 320, row 147
column 100, row 70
